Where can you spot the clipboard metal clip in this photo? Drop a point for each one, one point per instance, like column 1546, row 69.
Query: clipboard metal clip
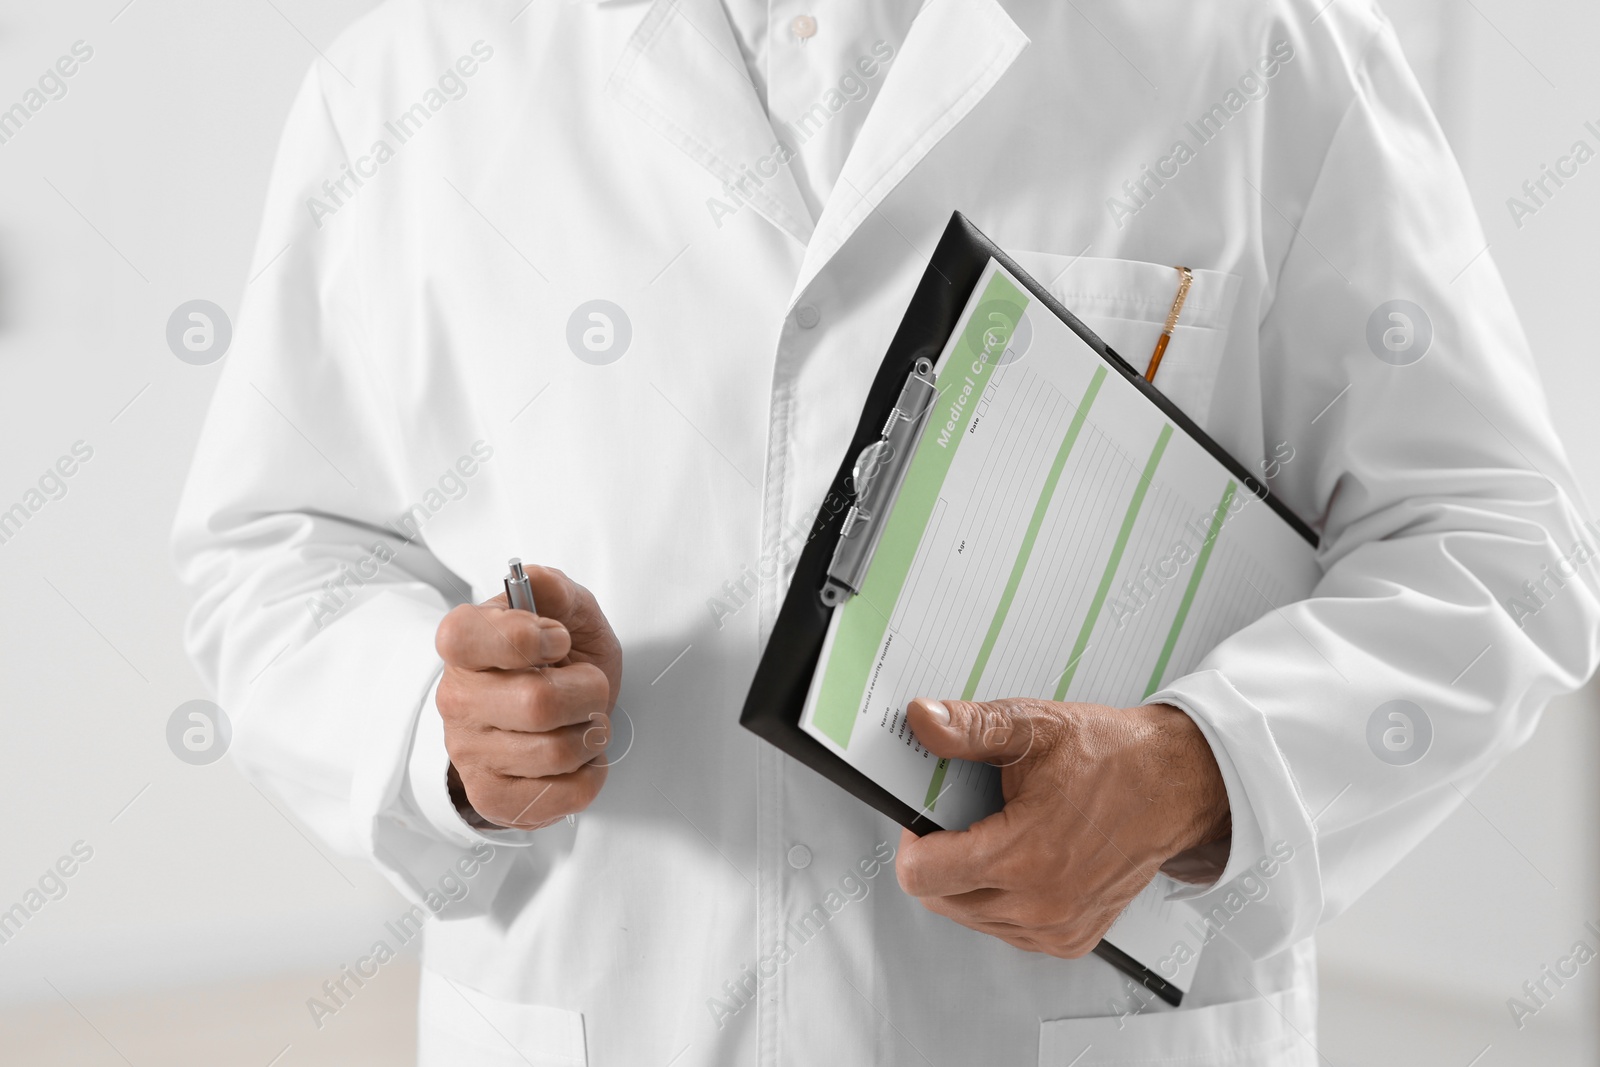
column 876, row 477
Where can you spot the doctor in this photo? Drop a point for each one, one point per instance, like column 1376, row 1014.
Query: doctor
column 603, row 285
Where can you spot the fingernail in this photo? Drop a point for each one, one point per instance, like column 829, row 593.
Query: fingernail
column 936, row 710
column 550, row 641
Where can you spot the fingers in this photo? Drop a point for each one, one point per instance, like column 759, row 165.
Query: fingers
column 529, row 803
column 490, row 636
column 524, row 701
column 1009, row 932
column 1002, row 732
column 947, row 863
column 1005, row 915
column 980, row 878
column 551, row 763
column 521, row 755
column 1011, row 935
column 558, row 597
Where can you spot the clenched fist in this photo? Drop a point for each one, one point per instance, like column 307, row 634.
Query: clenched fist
column 526, row 701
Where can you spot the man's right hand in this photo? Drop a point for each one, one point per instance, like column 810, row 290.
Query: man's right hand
column 526, row 701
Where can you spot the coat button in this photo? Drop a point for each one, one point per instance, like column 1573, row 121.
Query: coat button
column 803, row 27
column 807, row 316
column 799, row 857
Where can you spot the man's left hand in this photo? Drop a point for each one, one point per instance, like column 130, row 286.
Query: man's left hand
column 1097, row 800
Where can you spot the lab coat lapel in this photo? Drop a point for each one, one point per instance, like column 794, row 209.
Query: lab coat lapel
column 682, row 74
column 954, row 54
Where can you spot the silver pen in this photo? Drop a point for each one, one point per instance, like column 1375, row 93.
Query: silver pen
column 519, row 592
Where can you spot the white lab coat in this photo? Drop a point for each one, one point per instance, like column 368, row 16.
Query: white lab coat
column 402, row 411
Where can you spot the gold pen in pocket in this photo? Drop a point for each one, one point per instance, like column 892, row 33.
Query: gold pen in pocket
column 1185, row 280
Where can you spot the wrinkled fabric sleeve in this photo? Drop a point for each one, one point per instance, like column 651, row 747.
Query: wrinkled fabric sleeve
column 1458, row 587
column 316, row 598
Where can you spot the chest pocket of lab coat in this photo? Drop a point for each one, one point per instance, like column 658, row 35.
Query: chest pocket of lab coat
column 1126, row 302
column 458, row 1025
column 1274, row 1030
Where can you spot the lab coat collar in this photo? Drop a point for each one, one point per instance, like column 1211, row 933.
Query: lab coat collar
column 953, row 55
column 683, row 75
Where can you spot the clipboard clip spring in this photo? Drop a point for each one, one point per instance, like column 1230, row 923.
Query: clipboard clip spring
column 879, row 470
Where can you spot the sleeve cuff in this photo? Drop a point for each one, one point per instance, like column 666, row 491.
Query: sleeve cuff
column 1269, row 894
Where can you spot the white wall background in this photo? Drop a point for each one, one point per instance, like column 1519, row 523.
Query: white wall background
column 140, row 190
column 137, row 191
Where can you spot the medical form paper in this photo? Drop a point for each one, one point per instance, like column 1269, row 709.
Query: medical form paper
column 1055, row 536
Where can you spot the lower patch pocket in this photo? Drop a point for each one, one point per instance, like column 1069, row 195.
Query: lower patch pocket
column 1248, row 1033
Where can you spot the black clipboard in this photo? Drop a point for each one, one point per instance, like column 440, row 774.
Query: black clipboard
column 777, row 696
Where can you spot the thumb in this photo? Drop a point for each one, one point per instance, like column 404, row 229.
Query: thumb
column 1002, row 732
column 555, row 596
